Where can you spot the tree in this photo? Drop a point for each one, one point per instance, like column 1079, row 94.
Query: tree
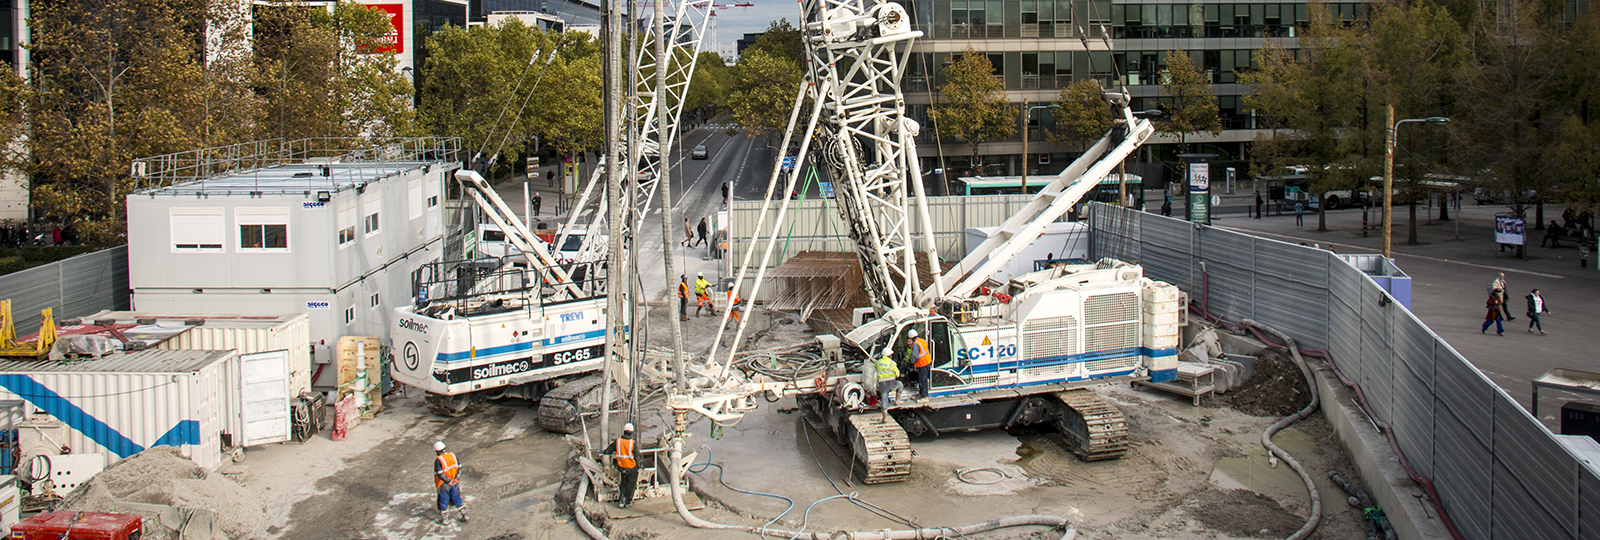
column 1083, row 117
column 1193, row 106
column 323, row 75
column 763, row 93
column 708, row 89
column 781, row 39
column 972, row 104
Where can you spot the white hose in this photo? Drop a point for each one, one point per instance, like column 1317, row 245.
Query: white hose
column 905, row 534
column 577, row 509
column 1266, row 436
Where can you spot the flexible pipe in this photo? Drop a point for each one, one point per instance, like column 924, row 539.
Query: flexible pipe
column 1361, row 402
column 577, row 509
column 905, row 534
column 1266, row 436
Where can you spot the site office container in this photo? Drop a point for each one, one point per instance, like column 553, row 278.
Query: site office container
column 247, row 334
column 123, row 403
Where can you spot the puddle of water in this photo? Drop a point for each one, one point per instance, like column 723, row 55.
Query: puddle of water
column 1254, row 471
column 1030, row 447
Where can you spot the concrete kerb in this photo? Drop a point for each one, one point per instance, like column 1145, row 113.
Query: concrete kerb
column 1403, row 500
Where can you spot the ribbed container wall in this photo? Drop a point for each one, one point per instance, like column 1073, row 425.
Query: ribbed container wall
column 293, row 335
column 119, row 414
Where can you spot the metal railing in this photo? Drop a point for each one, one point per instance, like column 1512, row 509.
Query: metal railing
column 162, row 171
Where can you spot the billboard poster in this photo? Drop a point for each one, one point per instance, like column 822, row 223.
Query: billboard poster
column 1508, row 229
column 395, row 40
column 1200, row 192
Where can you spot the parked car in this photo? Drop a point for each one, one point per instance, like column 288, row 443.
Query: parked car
column 1500, row 196
column 699, row 152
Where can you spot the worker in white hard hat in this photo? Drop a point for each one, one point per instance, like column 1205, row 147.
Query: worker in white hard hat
column 624, row 453
column 888, row 380
column 922, row 361
column 702, row 295
column 446, row 472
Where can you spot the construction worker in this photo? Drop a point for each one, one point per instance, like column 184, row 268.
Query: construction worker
column 922, row 357
column 735, row 303
column 888, row 380
column 702, row 294
column 446, row 469
column 624, row 453
column 683, row 297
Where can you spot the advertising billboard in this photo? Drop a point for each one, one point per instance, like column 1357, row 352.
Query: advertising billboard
column 395, row 40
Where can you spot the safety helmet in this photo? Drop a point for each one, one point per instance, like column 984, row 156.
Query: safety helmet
column 627, row 428
column 700, row 274
column 438, row 446
column 886, row 352
column 912, row 333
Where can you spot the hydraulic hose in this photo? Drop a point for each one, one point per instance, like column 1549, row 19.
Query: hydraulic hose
column 676, row 455
column 577, row 509
column 1266, row 436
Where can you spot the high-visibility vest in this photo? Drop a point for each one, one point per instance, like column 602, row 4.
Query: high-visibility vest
column 449, row 466
column 919, row 350
column 886, row 368
column 625, row 457
column 683, row 290
column 700, row 285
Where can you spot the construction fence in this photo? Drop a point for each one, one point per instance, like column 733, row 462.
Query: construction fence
column 72, row 287
column 1500, row 473
column 815, row 225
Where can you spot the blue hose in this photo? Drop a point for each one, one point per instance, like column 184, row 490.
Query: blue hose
column 697, row 468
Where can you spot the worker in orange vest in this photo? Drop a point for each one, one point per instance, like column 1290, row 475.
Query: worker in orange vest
column 923, row 362
column 735, row 303
column 624, row 453
column 446, row 469
column 702, row 294
column 683, row 297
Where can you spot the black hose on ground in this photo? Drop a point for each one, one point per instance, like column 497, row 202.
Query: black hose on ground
column 1266, row 436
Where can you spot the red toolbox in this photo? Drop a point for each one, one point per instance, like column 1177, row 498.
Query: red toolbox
column 78, row 526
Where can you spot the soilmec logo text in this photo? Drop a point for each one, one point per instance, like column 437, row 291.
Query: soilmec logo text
column 413, row 326
column 503, row 368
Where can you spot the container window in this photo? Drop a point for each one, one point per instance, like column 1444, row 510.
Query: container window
column 349, row 314
column 197, row 229
column 262, row 229
column 414, row 198
column 370, row 206
column 375, row 300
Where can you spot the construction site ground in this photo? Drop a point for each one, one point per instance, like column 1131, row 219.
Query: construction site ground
column 1192, row 472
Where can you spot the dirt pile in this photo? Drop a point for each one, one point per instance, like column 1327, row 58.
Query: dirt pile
column 168, row 489
column 1276, row 389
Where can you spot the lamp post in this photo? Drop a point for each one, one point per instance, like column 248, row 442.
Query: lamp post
column 1388, row 171
column 1027, row 113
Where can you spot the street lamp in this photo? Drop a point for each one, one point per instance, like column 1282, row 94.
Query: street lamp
column 1388, row 171
column 1026, row 114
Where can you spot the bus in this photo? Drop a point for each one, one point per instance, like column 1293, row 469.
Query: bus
column 1012, row 185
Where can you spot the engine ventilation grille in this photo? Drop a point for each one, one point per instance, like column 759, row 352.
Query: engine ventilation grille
column 1054, row 336
column 1111, row 308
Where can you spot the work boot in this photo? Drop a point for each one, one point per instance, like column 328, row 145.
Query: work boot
column 463, row 512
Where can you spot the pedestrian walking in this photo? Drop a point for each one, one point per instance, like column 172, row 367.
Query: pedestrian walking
column 1258, row 204
column 725, row 199
column 702, row 229
column 550, row 175
column 1166, row 208
column 1493, row 316
column 1536, row 307
column 683, row 297
column 446, row 472
column 624, row 453
column 1299, row 213
column 888, row 381
column 1552, row 235
column 1497, row 288
column 688, row 233
column 923, row 363
column 702, row 295
column 537, row 202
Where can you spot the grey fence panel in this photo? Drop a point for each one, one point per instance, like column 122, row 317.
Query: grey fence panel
column 1284, row 267
column 1588, row 504
column 1167, row 251
column 1414, row 389
column 1230, row 267
column 72, row 287
column 1540, row 470
column 1344, row 317
column 1375, row 366
column 1462, row 474
column 1463, row 392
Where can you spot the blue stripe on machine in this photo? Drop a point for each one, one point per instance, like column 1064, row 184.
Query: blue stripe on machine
column 518, row 347
column 936, row 393
column 186, row 432
column 1074, row 358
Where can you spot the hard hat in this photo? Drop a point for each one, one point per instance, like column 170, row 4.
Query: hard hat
column 886, row 352
column 701, row 274
column 438, row 446
column 912, row 334
column 683, row 276
column 627, row 428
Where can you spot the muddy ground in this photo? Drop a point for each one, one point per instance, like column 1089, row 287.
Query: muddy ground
column 1192, row 472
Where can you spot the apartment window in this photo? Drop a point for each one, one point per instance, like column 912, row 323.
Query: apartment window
column 347, row 223
column 375, row 300
column 197, row 229
column 262, row 229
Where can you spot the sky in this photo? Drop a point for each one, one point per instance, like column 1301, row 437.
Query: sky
column 734, row 22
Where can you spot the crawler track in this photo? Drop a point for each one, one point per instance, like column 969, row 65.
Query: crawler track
column 880, row 451
column 1093, row 428
column 560, row 408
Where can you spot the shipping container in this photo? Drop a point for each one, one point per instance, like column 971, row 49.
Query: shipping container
column 123, row 403
column 247, row 334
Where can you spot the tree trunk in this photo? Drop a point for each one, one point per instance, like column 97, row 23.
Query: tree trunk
column 1322, row 217
column 1411, row 226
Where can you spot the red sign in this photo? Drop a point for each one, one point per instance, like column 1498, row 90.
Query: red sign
column 395, row 40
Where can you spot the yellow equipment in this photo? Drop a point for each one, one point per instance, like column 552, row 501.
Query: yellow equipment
column 9, row 347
